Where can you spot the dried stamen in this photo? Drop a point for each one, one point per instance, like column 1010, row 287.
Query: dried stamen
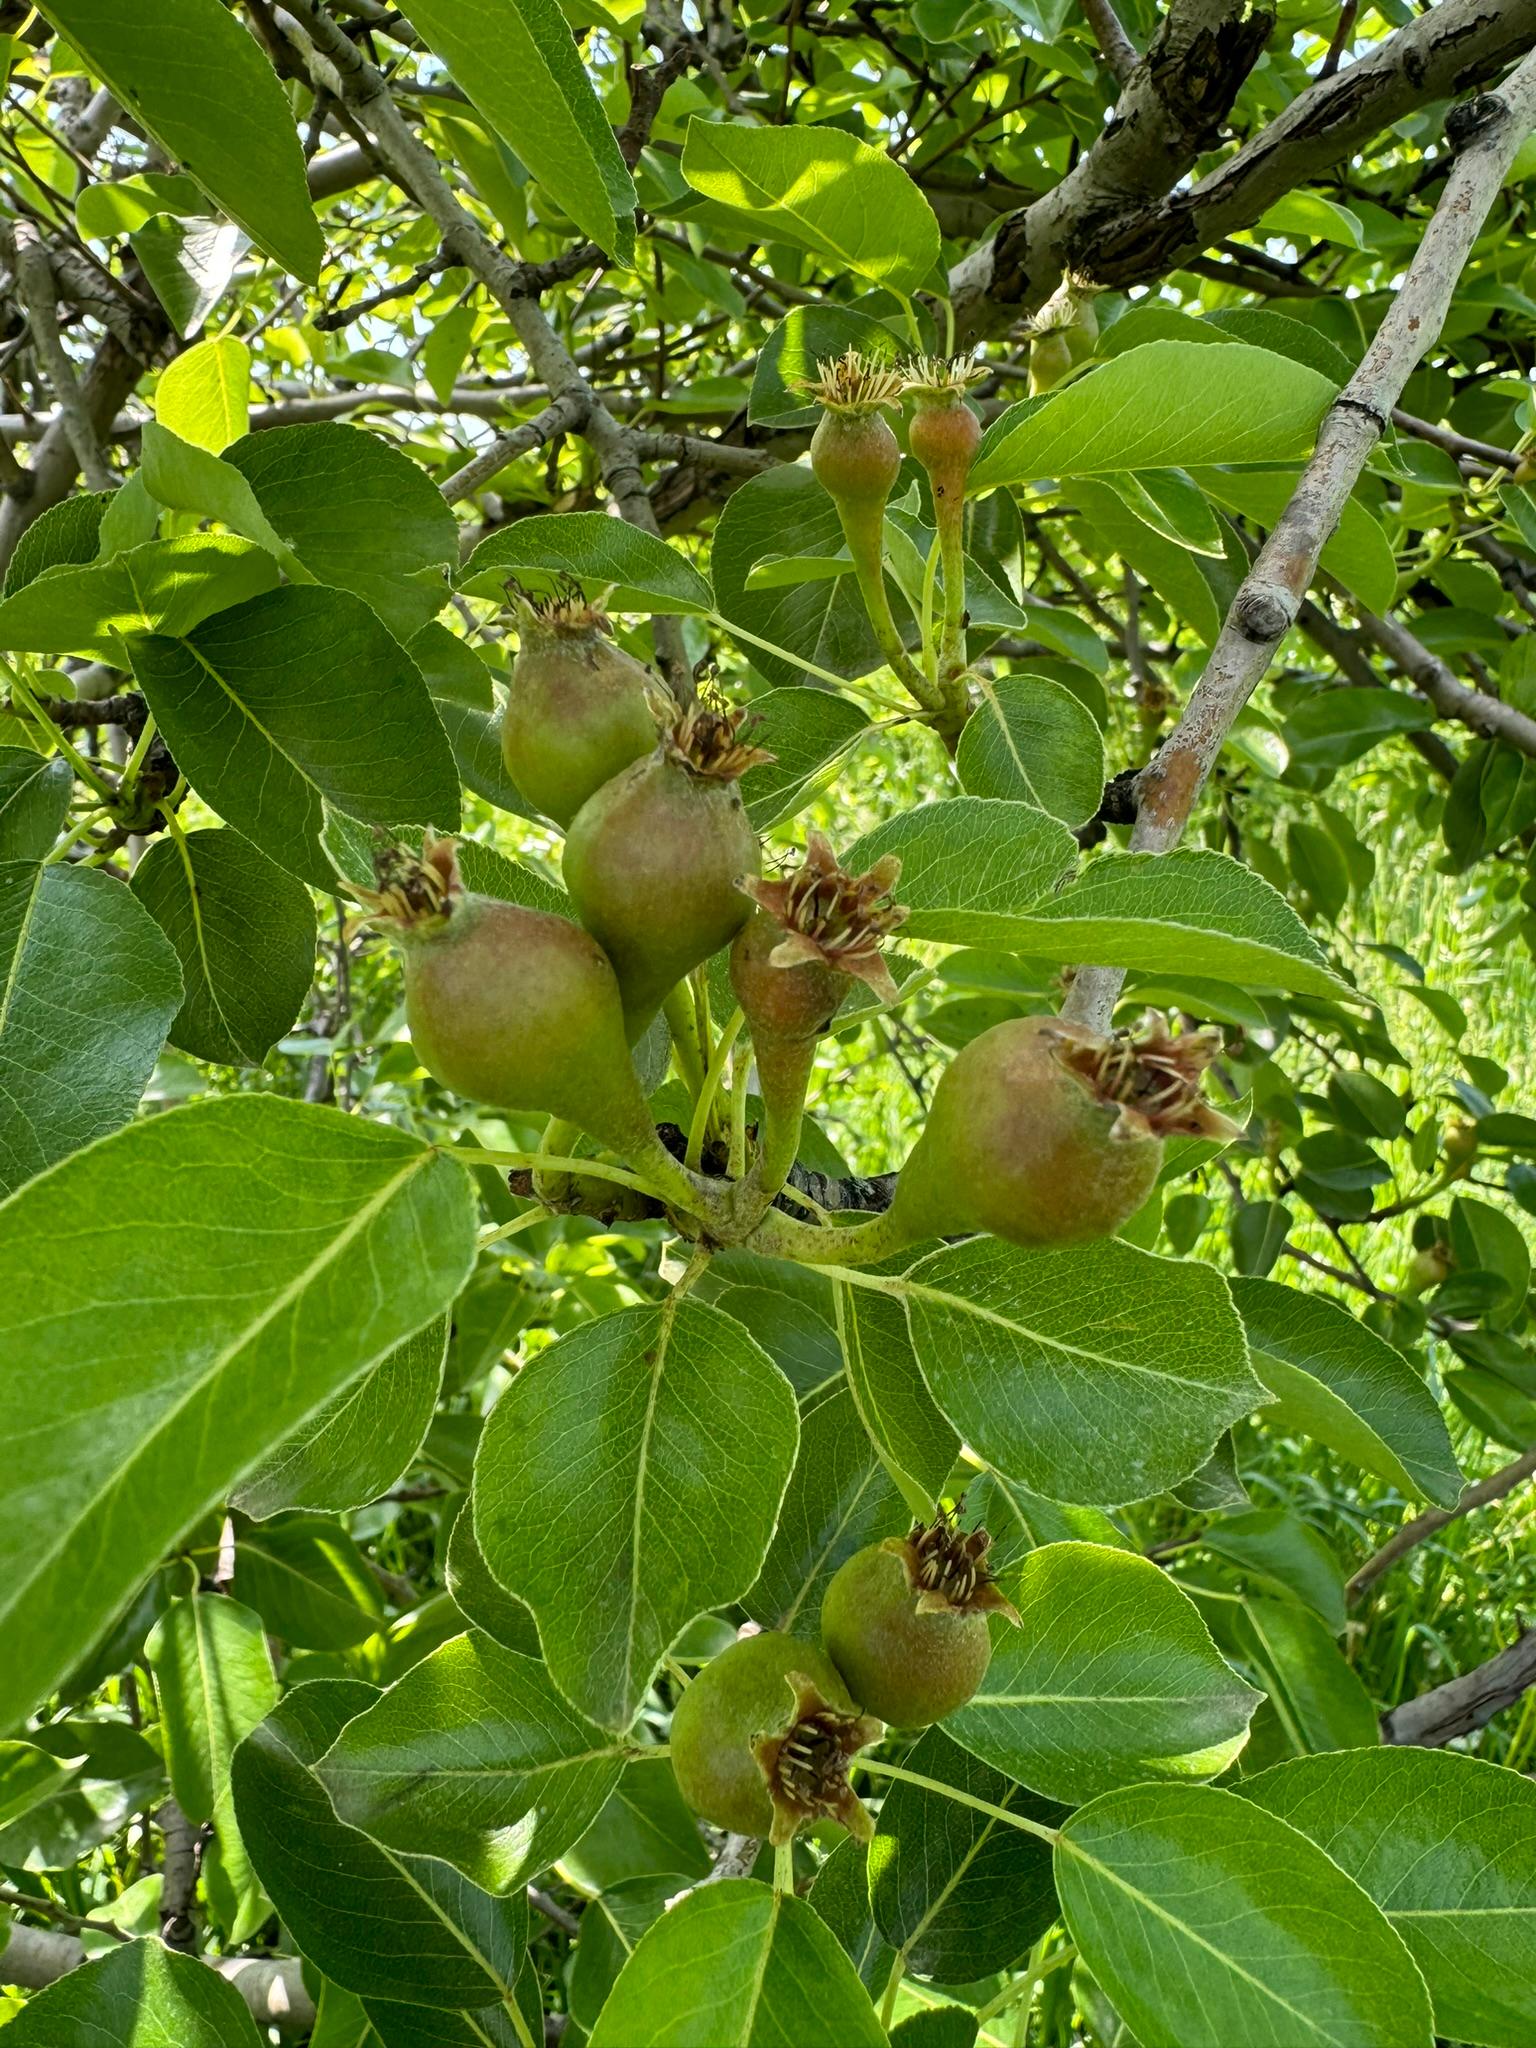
column 853, row 383
column 806, row 1767
column 833, row 917
column 1155, row 1078
column 942, row 376
column 710, row 740
column 947, row 1567
column 410, row 890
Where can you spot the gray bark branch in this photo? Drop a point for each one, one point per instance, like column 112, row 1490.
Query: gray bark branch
column 1464, row 1704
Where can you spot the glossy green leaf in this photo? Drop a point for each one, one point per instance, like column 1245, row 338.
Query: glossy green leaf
column 1339, row 1382
column 644, row 1829
column 806, row 337
column 911, row 1438
column 1281, row 1550
column 840, row 1896
column 611, row 1928
column 839, row 1498
column 382, row 1924
column 358, row 513
column 628, row 1480
column 520, row 68
column 630, row 570
column 309, row 1582
column 352, row 1449
column 738, row 1966
column 480, row 1598
column 1181, row 579
column 204, row 394
column 147, row 1397
column 205, row 91
column 473, row 1757
column 165, row 586
column 244, row 932
column 240, row 708
column 1032, row 741
column 810, row 734
column 845, row 200
column 1111, row 1679
column 105, row 212
column 958, row 1891
column 188, row 265
column 824, row 622
column 29, row 1775
column 1168, row 404
column 1357, row 552
column 1208, row 1927
column 88, row 987
column 1098, row 1374
column 971, row 868
column 1020, row 1521
column 186, row 478
column 69, row 532
column 1317, row 1697
column 1446, row 1846
column 214, row 1682
column 1192, row 911
column 142, row 1995
column 34, row 801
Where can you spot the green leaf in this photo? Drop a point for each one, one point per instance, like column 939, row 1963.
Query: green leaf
column 840, row 1896
column 202, row 87
column 147, row 1396
column 244, row 932
column 1166, row 405
column 165, row 586
column 447, row 1943
column 630, row 570
column 822, row 189
column 1333, row 726
column 1192, row 911
column 810, row 734
column 806, row 337
column 1112, row 1679
column 204, row 394
column 34, row 801
column 1446, row 1846
column 1097, row 1374
column 611, row 1927
column 69, row 532
column 839, row 1498
column 1032, row 741
column 214, row 1682
column 958, row 1891
column 644, row 1829
column 1339, row 1382
column 28, row 1776
column 140, row 1992
column 822, row 622
column 188, row 265
column 359, row 515
column 358, row 1444
column 1180, row 578
column 473, row 1757
column 1357, row 551
column 912, row 1439
column 88, row 988
column 480, row 1598
column 1318, row 1699
column 628, row 1480
column 188, row 479
column 105, row 212
column 738, row 1966
column 1207, row 1928
column 1281, row 1550
column 294, row 700
column 309, row 1582
column 971, row 867
column 520, row 68
column 1021, row 1521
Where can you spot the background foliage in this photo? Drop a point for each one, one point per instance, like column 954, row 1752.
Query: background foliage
column 320, row 322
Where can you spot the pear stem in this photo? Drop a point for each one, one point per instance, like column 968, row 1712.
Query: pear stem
column 784, row 1068
column 864, row 530
column 710, row 1090
column 862, row 1244
column 683, row 1023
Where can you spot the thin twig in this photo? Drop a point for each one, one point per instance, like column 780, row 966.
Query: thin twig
column 1433, row 1520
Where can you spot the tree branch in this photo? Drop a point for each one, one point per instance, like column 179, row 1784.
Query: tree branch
column 1422, row 1527
column 1115, row 46
column 272, row 1986
column 1466, row 1703
column 35, row 281
column 1486, row 715
column 1269, row 599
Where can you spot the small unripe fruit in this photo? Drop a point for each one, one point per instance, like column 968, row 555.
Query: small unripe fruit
column 762, row 1737
column 1460, row 1143
column 653, row 859
column 1046, row 1133
column 1050, row 358
column 905, row 1621
column 510, row 1007
column 855, row 457
column 579, row 709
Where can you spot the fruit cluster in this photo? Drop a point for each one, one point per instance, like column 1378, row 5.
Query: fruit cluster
column 763, row 1738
